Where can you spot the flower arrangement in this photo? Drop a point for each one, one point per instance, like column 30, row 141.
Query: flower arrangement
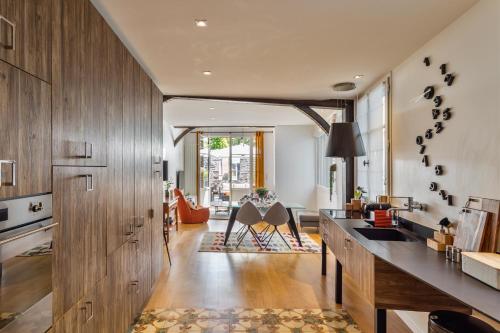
column 261, row 197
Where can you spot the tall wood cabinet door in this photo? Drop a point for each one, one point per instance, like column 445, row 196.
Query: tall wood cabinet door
column 142, row 151
column 25, row 41
column 79, row 119
column 10, row 23
column 34, row 37
column 25, row 126
column 360, row 267
column 128, row 146
column 157, row 184
column 114, row 87
column 79, row 259
column 118, row 296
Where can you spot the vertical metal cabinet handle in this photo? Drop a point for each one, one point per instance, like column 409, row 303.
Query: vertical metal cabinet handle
column 131, row 230
column 157, row 159
column 91, row 305
column 135, row 284
column 88, row 152
column 89, row 182
column 12, row 44
column 141, row 219
column 14, row 173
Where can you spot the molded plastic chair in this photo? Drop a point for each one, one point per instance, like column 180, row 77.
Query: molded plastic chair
column 248, row 215
column 276, row 215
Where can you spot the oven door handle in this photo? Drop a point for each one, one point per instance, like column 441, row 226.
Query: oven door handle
column 47, row 227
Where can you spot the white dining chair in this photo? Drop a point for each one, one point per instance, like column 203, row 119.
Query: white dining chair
column 248, row 215
column 276, row 216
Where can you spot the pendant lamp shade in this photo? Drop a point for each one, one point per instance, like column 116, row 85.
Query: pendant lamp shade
column 345, row 141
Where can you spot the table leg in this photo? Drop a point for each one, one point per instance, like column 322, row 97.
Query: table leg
column 338, row 282
column 380, row 321
column 230, row 224
column 293, row 226
column 323, row 257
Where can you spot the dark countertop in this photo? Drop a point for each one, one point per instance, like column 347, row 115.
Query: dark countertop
column 429, row 266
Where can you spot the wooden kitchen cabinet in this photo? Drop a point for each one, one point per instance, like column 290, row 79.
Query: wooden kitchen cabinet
column 157, row 242
column 79, row 256
column 88, row 315
column 79, row 78
column 117, row 229
column 359, row 264
column 25, row 151
column 26, row 38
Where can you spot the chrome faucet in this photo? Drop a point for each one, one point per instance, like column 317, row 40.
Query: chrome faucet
column 409, row 206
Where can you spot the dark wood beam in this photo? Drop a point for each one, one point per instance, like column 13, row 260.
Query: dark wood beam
column 320, row 121
column 183, row 134
column 329, row 103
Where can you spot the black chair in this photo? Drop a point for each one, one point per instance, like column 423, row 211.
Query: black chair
column 455, row 322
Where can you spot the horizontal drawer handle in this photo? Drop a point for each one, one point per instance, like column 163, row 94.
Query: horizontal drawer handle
column 50, row 226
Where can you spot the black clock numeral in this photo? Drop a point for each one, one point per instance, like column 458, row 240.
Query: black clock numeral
column 439, row 126
column 435, row 113
column 449, row 78
column 443, row 69
column 450, row 200
column 422, row 149
column 427, row 61
column 433, row 186
column 443, row 194
column 429, row 92
column 438, row 170
column 428, row 134
column 447, row 114
column 438, row 100
column 425, row 160
column 419, row 140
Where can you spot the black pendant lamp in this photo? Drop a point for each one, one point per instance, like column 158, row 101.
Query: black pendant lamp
column 345, row 141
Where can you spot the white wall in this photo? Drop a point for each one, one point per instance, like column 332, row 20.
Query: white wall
column 294, row 164
column 174, row 155
column 468, row 147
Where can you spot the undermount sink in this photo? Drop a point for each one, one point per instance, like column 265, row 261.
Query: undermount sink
column 381, row 234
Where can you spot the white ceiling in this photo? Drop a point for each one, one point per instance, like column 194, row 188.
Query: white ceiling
column 199, row 113
column 274, row 48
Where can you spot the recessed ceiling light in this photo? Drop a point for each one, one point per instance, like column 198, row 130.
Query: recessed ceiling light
column 201, row 23
column 359, row 76
column 207, row 73
column 212, row 118
column 211, row 108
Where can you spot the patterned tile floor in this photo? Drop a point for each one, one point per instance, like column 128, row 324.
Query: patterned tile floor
column 244, row 320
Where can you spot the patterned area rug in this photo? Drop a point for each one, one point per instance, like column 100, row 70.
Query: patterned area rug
column 244, row 321
column 41, row 250
column 214, row 242
column 7, row 317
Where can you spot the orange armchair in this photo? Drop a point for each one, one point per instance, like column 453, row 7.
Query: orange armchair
column 188, row 214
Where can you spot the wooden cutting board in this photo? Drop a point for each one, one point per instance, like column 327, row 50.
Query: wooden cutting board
column 483, row 266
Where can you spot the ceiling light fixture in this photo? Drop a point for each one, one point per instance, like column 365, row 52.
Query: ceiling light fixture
column 207, row 73
column 211, row 108
column 201, row 23
column 344, row 86
column 359, row 76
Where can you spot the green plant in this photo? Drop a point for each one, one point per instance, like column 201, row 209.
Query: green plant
column 261, row 192
column 358, row 194
column 217, row 142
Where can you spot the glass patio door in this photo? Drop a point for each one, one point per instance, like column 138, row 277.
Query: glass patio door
column 226, row 170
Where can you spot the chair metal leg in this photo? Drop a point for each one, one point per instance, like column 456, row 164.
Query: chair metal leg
column 255, row 236
column 242, row 237
column 270, row 237
column 283, row 238
column 263, row 233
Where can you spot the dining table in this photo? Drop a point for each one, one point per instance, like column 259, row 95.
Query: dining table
column 235, row 206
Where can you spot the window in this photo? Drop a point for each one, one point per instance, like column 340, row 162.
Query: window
column 372, row 115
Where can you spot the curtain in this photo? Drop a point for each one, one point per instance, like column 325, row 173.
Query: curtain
column 259, row 159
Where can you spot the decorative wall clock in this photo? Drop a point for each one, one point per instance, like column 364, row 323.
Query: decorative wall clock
column 440, row 119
